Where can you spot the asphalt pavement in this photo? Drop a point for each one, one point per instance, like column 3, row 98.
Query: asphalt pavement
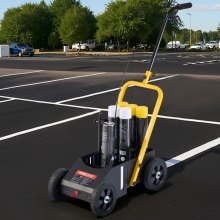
column 48, row 107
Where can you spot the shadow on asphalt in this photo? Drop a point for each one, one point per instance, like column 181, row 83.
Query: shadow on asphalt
column 140, row 189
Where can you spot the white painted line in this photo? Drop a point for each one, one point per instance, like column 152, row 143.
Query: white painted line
column 188, row 119
column 110, row 90
column 102, row 109
column 52, row 103
column 202, row 62
column 15, row 74
column 9, row 100
column 46, row 126
column 51, row 81
column 193, row 152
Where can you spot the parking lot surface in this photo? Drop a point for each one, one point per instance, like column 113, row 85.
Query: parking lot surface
column 48, row 107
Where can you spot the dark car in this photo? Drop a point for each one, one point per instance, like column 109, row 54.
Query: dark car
column 21, row 49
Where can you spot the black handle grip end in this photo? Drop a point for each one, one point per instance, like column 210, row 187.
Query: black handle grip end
column 185, row 6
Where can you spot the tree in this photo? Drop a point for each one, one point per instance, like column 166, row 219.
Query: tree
column 59, row 7
column 128, row 20
column 31, row 23
column 122, row 20
column 53, row 40
column 218, row 30
column 74, row 25
column 37, row 20
column 184, row 35
column 11, row 25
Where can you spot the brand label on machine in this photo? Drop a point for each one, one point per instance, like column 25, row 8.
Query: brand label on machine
column 83, row 178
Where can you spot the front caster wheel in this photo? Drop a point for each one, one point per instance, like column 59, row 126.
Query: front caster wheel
column 155, row 175
column 54, row 185
column 103, row 200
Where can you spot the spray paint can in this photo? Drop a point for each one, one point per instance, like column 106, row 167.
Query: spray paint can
column 124, row 134
column 107, row 146
column 123, row 104
column 113, row 116
column 133, row 130
column 142, row 124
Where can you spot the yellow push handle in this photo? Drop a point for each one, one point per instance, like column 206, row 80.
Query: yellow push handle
column 146, row 140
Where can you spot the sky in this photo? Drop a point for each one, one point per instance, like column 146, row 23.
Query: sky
column 205, row 15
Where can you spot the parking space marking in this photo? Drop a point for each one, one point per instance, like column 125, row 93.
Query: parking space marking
column 191, row 153
column 188, row 119
column 8, row 100
column 102, row 109
column 51, row 81
column 47, row 125
column 15, row 74
column 110, row 90
column 52, row 103
column 200, row 62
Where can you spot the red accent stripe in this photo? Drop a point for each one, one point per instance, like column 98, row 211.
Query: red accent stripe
column 88, row 175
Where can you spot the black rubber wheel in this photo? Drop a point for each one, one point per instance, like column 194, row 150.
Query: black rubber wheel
column 103, row 200
column 87, row 48
column 20, row 54
column 155, row 175
column 54, row 185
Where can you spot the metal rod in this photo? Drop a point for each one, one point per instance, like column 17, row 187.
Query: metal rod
column 158, row 41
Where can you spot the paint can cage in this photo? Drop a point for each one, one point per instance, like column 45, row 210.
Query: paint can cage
column 121, row 134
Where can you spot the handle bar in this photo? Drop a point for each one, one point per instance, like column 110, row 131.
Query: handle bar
column 180, row 7
column 174, row 10
column 185, row 6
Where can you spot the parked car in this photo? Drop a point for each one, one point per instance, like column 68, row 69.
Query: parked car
column 198, row 46
column 142, row 46
column 20, row 49
column 89, row 45
column 212, row 45
column 176, row 44
column 114, row 46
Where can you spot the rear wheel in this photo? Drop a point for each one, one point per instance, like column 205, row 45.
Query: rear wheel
column 20, row 54
column 54, row 192
column 155, row 175
column 103, row 200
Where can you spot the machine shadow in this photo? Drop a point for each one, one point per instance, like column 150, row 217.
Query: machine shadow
column 140, row 189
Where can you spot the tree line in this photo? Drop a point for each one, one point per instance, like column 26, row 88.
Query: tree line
column 64, row 22
column 199, row 35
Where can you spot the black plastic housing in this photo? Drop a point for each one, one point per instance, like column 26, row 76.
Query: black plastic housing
column 84, row 177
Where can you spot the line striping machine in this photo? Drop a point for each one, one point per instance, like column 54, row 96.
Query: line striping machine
column 123, row 158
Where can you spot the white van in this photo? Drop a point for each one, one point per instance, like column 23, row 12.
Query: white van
column 176, row 44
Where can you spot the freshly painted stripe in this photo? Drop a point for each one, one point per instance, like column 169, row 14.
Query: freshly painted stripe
column 15, row 74
column 188, row 119
column 77, row 186
column 46, row 126
column 122, row 178
column 110, row 90
column 53, row 103
column 9, row 100
column 51, row 81
column 193, row 152
column 200, row 62
column 102, row 109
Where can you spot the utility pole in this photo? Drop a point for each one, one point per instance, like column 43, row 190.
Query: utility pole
column 190, row 30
